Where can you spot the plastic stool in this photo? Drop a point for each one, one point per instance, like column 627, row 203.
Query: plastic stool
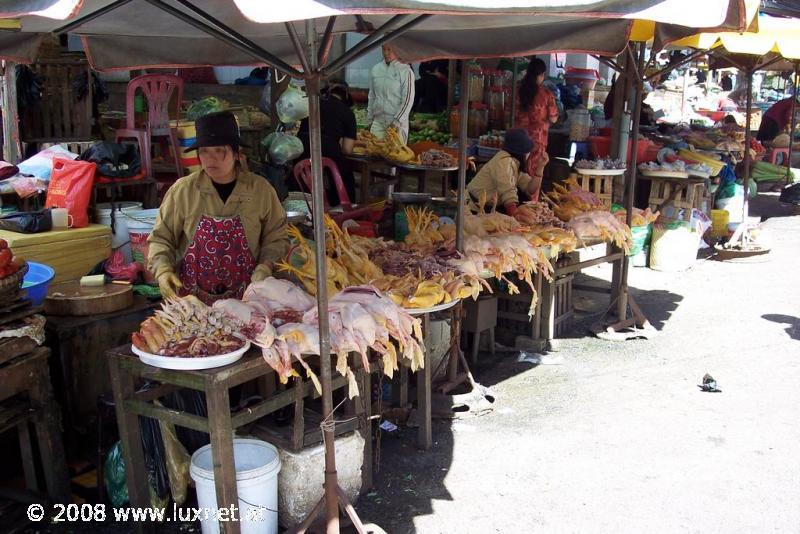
column 480, row 318
column 779, row 156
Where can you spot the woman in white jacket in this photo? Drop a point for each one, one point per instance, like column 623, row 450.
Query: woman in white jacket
column 391, row 95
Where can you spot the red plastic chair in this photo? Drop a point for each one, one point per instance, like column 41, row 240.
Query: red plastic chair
column 304, row 177
column 158, row 90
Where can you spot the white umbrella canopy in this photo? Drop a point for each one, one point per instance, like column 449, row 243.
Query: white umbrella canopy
column 53, row 9
column 139, row 34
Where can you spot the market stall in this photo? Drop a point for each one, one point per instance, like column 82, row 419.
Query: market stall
column 496, row 253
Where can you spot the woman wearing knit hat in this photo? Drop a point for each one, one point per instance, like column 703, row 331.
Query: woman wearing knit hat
column 503, row 176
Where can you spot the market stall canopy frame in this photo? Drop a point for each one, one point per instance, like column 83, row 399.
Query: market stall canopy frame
column 114, row 40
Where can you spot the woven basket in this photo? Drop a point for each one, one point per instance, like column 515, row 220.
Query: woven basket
column 10, row 286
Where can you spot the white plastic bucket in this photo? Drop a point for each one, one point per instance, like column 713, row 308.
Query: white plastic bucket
column 120, row 238
column 257, row 467
column 140, row 226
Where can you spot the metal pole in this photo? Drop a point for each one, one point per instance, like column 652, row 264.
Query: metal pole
column 90, row 17
column 514, row 94
column 327, row 41
column 11, row 148
column 258, row 53
column 793, row 125
column 747, row 136
column 366, row 43
column 301, row 55
column 313, row 83
column 622, row 303
column 463, row 117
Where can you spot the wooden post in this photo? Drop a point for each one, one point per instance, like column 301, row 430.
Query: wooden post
column 12, row 152
column 425, row 437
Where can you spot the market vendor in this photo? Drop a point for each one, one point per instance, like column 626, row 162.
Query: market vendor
column 504, row 176
column 391, row 95
column 536, row 111
column 219, row 228
column 339, row 130
column 775, row 120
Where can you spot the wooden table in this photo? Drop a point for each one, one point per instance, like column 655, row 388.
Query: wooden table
column 126, row 370
column 79, row 344
column 29, row 375
column 593, row 253
column 368, row 169
column 423, row 173
column 677, row 186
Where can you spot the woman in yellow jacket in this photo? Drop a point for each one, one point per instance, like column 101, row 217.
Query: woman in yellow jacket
column 219, row 228
column 503, row 176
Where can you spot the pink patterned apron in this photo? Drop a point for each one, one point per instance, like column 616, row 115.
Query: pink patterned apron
column 218, row 263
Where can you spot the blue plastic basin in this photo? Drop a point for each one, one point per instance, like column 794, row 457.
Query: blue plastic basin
column 36, row 282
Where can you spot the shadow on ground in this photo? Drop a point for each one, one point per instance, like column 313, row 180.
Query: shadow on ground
column 794, row 323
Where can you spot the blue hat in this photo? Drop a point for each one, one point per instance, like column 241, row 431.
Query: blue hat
column 517, row 141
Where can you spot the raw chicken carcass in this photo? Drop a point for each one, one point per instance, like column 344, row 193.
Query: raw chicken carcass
column 257, row 327
column 278, row 294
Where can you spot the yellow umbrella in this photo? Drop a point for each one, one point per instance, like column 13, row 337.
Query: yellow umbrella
column 781, row 36
column 647, row 30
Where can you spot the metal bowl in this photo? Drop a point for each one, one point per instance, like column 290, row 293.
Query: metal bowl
column 295, row 217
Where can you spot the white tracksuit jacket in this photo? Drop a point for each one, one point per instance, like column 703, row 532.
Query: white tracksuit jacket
column 391, row 95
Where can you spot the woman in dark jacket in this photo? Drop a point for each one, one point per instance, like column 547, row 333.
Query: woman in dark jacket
column 338, row 125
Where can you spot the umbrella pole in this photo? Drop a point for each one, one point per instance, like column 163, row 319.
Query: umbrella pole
column 463, row 114
column 740, row 236
column 622, row 303
column 793, row 125
column 747, row 137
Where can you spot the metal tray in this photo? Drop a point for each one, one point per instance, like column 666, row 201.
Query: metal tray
column 411, row 198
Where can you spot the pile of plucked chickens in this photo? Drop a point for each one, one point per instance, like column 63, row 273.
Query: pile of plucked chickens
column 415, row 274
column 586, row 215
column 283, row 320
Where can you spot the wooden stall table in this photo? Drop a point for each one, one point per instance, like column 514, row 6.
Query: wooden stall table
column 678, row 190
column 555, row 293
column 127, row 370
column 369, row 168
column 79, row 344
column 424, row 377
column 28, row 375
column 423, row 173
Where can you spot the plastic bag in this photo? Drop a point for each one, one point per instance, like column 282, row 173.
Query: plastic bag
column 41, row 165
column 292, row 106
column 265, row 101
column 71, row 187
column 155, row 461
column 204, row 106
column 177, row 460
column 114, row 476
column 284, row 148
column 117, row 269
column 114, row 160
column 27, row 222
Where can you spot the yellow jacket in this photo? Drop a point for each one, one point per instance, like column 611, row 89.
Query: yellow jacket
column 253, row 199
column 501, row 176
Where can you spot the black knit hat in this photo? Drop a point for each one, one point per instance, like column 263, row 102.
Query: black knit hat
column 517, row 141
column 216, row 129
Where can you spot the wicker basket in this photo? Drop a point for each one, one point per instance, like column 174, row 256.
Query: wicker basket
column 10, row 286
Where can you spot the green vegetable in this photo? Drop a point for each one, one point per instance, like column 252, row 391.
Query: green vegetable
column 204, row 106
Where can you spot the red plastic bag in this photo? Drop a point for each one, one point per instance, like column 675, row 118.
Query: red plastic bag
column 71, row 187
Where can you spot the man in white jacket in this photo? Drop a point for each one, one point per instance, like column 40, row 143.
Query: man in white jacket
column 391, row 95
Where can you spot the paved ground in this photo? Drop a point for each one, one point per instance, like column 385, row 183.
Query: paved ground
column 619, row 437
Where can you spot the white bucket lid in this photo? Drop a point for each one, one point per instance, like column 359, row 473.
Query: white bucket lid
column 253, row 458
column 104, row 208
